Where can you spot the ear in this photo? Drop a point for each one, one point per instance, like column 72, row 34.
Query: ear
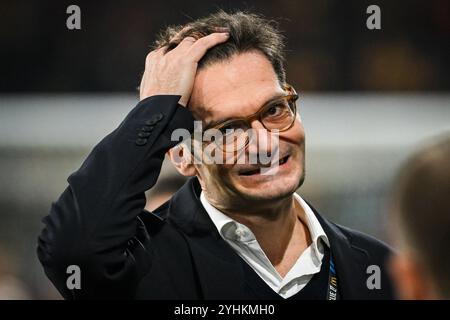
column 182, row 160
column 411, row 281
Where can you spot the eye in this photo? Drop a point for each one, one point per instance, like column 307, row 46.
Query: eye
column 273, row 110
column 276, row 110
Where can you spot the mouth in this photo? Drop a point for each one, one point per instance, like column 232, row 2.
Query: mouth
column 257, row 170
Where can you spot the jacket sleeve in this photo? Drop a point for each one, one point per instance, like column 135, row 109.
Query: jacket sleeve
column 94, row 224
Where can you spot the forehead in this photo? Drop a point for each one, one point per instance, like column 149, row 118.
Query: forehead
column 233, row 88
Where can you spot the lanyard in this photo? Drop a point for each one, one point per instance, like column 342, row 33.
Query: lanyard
column 332, row 293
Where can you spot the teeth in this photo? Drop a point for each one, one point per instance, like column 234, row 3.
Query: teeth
column 251, row 172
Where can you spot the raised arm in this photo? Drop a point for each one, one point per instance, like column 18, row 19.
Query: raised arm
column 93, row 221
column 94, row 224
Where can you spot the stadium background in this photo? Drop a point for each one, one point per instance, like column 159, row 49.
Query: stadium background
column 368, row 99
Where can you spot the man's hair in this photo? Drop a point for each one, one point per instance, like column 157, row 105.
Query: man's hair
column 248, row 32
column 422, row 209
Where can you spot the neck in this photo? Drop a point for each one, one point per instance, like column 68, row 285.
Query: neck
column 279, row 229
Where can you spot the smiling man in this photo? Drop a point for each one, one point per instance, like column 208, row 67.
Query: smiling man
column 232, row 231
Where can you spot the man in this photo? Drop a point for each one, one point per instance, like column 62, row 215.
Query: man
column 421, row 210
column 231, row 232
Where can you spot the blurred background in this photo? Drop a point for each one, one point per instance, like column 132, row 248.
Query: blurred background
column 369, row 98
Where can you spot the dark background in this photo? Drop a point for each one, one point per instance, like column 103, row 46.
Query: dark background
column 330, row 49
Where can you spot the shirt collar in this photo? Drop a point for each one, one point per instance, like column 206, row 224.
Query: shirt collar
column 230, row 229
column 224, row 224
column 315, row 228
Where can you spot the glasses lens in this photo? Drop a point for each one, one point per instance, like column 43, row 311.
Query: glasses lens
column 234, row 136
column 279, row 115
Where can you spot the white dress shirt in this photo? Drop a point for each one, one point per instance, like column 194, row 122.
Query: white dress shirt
column 243, row 241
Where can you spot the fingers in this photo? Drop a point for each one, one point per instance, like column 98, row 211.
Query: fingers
column 177, row 36
column 186, row 43
column 222, row 29
column 172, row 42
column 177, row 40
column 171, row 69
column 206, row 41
column 199, row 48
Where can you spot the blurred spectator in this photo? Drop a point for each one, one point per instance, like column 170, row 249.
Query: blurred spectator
column 421, row 210
column 11, row 287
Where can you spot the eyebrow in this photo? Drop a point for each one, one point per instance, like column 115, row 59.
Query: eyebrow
column 270, row 100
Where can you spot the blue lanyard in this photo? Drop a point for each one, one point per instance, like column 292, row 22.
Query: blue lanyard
column 332, row 293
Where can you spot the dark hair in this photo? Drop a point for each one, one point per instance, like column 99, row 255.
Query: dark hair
column 248, row 32
column 422, row 209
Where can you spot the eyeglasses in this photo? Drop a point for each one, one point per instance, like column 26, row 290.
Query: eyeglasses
column 276, row 115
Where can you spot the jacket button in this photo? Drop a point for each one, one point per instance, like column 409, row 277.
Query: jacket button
column 154, row 119
column 147, row 128
column 141, row 142
column 144, row 134
column 151, row 122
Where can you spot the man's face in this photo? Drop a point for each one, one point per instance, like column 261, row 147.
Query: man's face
column 239, row 87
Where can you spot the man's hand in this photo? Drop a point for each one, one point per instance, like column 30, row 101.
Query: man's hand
column 174, row 72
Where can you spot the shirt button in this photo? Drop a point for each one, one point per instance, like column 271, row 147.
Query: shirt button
column 239, row 233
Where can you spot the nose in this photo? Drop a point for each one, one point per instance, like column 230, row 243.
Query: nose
column 263, row 144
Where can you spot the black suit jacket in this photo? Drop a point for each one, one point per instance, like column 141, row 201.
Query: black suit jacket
column 123, row 251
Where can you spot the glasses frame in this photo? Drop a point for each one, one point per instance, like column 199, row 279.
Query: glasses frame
column 291, row 98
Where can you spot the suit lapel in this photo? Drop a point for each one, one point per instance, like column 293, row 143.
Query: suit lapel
column 218, row 267
column 350, row 261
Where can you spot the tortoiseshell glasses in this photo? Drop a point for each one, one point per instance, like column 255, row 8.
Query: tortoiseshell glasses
column 278, row 114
